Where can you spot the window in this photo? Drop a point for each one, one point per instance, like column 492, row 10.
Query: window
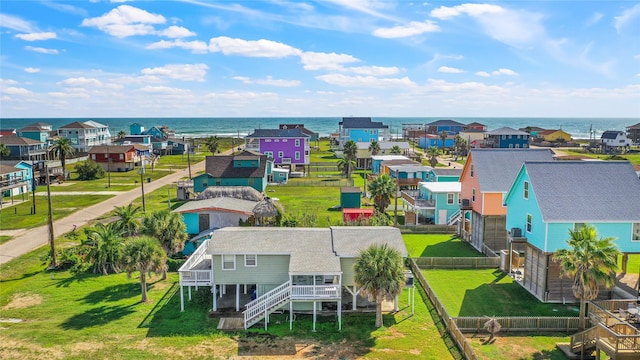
column 297, row 155
column 276, row 140
column 121, row 156
column 267, row 140
column 280, row 154
column 473, row 195
column 269, row 154
column 450, row 198
column 636, row 232
column 529, row 220
column 251, row 260
column 284, row 140
column 526, row 189
column 471, row 171
column 93, row 156
column 297, row 142
column 228, row 262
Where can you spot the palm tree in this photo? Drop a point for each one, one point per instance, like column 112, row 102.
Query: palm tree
column 350, row 150
column 169, row 229
column 460, row 144
column 379, row 272
column 590, row 261
column 346, row 166
column 382, row 188
column 374, row 148
column 105, row 248
column 396, row 150
column 128, row 219
column 121, row 134
column 143, row 254
column 433, row 153
column 443, row 137
column 62, row 148
column 4, row 151
column 212, row 143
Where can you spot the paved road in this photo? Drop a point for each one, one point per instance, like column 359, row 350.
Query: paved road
column 30, row 239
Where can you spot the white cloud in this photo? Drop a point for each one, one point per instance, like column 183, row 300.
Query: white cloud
column 11, row 90
column 411, row 29
column 176, row 32
column 195, row 46
column 325, row 61
column 637, row 57
column 512, row 27
column 252, row 48
column 365, row 81
column 15, row 23
column 470, row 86
column 126, row 20
column 41, row 50
column 184, row 72
column 268, row 81
column 80, row 82
column 8, row 82
column 594, row 19
column 78, row 95
column 31, row 70
column 445, row 12
column 627, row 16
column 373, row 70
column 243, row 96
column 165, row 90
column 37, row 36
column 372, row 8
column 508, row 72
column 483, row 73
column 450, row 70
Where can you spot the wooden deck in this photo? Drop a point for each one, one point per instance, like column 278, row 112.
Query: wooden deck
column 231, row 324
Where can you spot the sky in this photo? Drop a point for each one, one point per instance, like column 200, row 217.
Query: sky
column 285, row 58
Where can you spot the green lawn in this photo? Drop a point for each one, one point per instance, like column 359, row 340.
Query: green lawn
column 508, row 347
column 633, row 158
column 633, row 266
column 299, row 200
column 4, row 239
column 19, row 216
column 438, row 245
column 488, row 292
column 92, row 316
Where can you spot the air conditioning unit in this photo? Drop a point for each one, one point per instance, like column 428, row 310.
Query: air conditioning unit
column 465, row 202
column 516, row 232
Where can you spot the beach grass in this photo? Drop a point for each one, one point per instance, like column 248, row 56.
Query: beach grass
column 488, row 292
column 438, row 245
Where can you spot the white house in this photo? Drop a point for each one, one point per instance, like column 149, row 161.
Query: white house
column 615, row 139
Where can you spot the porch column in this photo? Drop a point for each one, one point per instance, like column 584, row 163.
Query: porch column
column 290, row 315
column 189, row 293
column 354, row 304
column 237, row 297
column 625, row 262
column 181, row 299
column 215, row 298
column 395, row 303
column 224, row 290
column 339, row 315
column 314, row 316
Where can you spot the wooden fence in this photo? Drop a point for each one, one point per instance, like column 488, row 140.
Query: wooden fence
column 428, row 229
column 458, row 262
column 519, row 323
column 333, row 182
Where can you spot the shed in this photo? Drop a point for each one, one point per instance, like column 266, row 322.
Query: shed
column 351, row 215
column 350, row 197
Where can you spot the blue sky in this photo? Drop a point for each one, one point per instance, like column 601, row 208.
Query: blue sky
column 327, row 58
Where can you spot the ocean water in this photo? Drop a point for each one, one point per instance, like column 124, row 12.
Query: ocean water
column 579, row 128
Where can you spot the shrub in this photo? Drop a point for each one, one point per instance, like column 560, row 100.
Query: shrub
column 90, row 170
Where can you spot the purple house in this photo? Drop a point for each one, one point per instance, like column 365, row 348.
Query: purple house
column 284, row 146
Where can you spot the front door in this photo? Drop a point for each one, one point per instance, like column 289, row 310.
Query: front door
column 203, row 222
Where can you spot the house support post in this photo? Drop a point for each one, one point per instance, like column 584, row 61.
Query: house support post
column 189, row 292
column 215, row 303
column 237, row 297
column 266, row 318
column 413, row 300
column 510, row 255
column 395, row 303
column 245, row 289
column 290, row 315
column 625, row 262
column 339, row 315
column 181, row 298
column 314, row 316
column 354, row 294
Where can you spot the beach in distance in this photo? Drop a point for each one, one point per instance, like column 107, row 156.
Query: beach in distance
column 579, row 128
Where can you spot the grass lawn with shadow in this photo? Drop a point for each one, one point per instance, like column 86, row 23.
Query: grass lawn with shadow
column 438, row 245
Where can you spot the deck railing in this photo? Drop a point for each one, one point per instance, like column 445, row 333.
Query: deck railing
column 302, row 292
column 188, row 273
column 266, row 304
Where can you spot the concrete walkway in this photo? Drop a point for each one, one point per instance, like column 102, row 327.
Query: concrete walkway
column 29, row 239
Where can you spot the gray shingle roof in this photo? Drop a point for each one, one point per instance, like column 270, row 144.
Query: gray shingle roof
column 311, row 250
column 447, row 171
column 497, row 168
column 585, row 191
column 77, row 125
column 279, row 133
column 17, row 140
column 506, row 131
column 111, row 149
column 225, row 204
column 611, row 134
column 445, row 123
column 222, row 166
column 361, row 123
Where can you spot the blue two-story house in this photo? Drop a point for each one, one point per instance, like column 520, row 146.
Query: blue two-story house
column 452, row 127
column 432, row 203
column 443, row 175
column 507, row 138
column 245, row 169
column 362, row 129
column 549, row 198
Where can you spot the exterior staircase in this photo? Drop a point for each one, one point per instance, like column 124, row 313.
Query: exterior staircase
column 455, row 217
column 583, row 343
column 266, row 304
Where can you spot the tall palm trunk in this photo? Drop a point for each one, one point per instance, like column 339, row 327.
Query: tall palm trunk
column 143, row 286
column 379, row 312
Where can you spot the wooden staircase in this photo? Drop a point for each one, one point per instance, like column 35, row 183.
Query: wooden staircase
column 266, row 304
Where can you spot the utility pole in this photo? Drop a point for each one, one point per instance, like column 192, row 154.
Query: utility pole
column 395, row 212
column 189, row 159
column 144, row 208
column 52, row 244
column 108, row 168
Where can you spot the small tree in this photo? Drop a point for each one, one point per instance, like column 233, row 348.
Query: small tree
column 212, row 143
column 4, row 151
column 379, row 272
column 90, row 170
column 144, row 255
column 169, row 229
column 128, row 219
column 590, row 261
column 121, row 134
column 346, row 166
column 382, row 189
column 374, row 148
column 443, row 137
column 105, row 248
column 432, row 154
column 62, row 148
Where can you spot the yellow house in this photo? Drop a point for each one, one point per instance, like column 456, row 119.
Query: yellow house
column 554, row 135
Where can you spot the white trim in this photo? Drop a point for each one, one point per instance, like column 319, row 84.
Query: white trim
column 528, row 226
column 223, row 262
column 255, row 260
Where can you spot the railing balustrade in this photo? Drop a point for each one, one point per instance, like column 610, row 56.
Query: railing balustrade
column 315, row 291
